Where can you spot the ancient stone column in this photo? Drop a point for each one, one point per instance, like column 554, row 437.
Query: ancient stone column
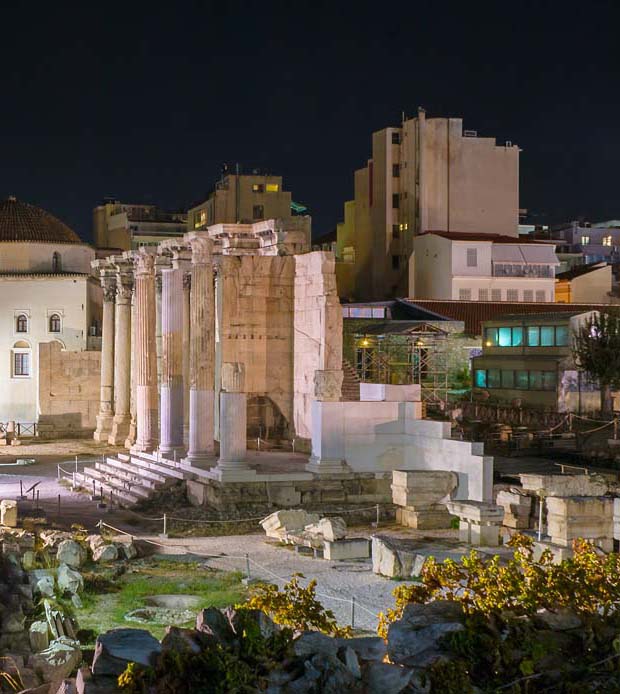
column 146, row 355
column 122, row 353
column 233, row 419
column 131, row 437
column 187, row 283
column 171, row 389
column 106, row 398
column 202, row 352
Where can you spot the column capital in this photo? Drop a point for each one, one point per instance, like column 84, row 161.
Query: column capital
column 202, row 248
column 108, row 283
column 144, row 262
column 123, row 270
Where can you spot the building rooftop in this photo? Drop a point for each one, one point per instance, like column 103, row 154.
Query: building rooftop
column 494, row 238
column 580, row 270
column 22, row 222
column 474, row 313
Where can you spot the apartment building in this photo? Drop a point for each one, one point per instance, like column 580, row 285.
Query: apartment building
column 248, row 198
column 483, row 267
column 128, row 226
column 428, row 173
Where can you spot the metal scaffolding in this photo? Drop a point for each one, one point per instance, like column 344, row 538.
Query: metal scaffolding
column 404, row 352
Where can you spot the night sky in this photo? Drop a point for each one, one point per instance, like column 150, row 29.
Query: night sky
column 145, row 102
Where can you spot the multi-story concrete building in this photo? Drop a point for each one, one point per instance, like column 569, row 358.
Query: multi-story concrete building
column 248, row 198
column 425, row 174
column 127, row 226
column 483, row 267
column 594, row 242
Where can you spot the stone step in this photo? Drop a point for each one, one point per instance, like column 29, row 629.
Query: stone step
column 124, row 457
column 136, row 471
column 117, row 483
column 122, row 496
column 128, row 474
column 150, row 464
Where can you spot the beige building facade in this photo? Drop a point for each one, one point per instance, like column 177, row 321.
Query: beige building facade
column 427, row 174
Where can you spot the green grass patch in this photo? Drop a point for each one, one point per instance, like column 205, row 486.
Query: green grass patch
column 106, row 610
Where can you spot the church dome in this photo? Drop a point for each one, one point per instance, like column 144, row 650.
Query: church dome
column 20, row 221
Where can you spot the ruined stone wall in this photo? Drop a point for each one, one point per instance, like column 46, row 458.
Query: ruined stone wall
column 68, row 391
column 318, row 330
column 255, row 328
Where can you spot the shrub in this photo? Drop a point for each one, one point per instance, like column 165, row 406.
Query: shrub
column 297, row 607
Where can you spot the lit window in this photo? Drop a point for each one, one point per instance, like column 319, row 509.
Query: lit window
column 505, row 337
column 54, row 323
column 561, row 336
column 258, row 188
column 547, row 336
column 21, row 364
column 490, row 337
column 273, row 187
column 472, row 257
column 480, row 378
column 21, row 324
column 585, row 240
column 533, row 336
column 521, row 380
column 536, row 380
column 607, row 240
column 494, row 378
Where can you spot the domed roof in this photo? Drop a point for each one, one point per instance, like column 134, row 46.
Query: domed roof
column 20, row 221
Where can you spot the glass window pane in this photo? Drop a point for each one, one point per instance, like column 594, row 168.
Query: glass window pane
column 481, row 378
column 521, row 380
column 490, row 336
column 508, row 378
column 505, row 337
column 547, row 336
column 517, row 337
column 549, row 380
column 533, row 336
column 561, row 336
column 535, row 380
column 493, row 378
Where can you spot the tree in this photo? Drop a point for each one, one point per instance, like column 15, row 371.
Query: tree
column 596, row 349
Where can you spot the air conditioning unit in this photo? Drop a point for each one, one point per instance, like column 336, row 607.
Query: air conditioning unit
column 508, row 143
column 470, row 133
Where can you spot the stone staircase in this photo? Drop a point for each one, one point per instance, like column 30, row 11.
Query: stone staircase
column 130, row 478
column 351, row 383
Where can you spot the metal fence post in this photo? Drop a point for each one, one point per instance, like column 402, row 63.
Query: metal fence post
column 58, row 472
column 247, row 566
column 76, row 464
column 378, row 514
column 353, row 611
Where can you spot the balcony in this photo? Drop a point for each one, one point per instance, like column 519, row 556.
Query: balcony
column 522, row 270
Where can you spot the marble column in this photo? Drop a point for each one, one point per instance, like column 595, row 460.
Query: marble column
column 233, row 422
column 187, row 283
column 131, row 437
column 122, row 353
column 171, row 389
column 146, row 354
column 202, row 352
column 106, row 398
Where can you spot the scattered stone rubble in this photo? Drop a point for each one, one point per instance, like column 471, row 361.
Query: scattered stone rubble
column 325, row 536
column 421, row 496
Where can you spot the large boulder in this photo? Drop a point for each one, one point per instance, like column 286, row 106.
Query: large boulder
column 383, row 678
column 369, row 648
column 213, row 622
column 186, row 641
column 71, row 553
column 8, row 513
column 278, row 524
column 312, row 642
column 414, row 640
column 69, row 580
column 330, row 529
column 242, row 620
column 44, row 585
column 57, row 661
column 39, row 636
column 116, row 648
column 105, row 553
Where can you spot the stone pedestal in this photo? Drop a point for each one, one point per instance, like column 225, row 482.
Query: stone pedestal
column 202, row 353
column 590, row 518
column 328, row 440
column 171, row 418
column 565, row 485
column 8, row 513
column 480, row 522
column 106, row 404
column 422, row 496
column 146, row 353
column 517, row 508
column 122, row 354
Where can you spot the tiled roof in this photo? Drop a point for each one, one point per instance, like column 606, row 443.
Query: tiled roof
column 20, row 221
column 474, row 313
column 495, row 238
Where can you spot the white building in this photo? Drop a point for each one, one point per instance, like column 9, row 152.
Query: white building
column 47, row 293
column 483, row 267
